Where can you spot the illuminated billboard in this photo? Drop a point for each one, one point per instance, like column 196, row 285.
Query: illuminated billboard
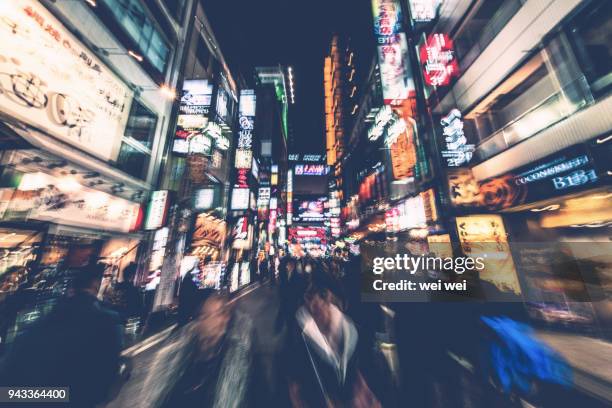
column 485, row 236
column 309, row 210
column 458, row 152
column 51, row 81
column 240, row 198
column 424, row 11
column 196, row 97
column 310, row 169
column 438, row 59
column 395, row 72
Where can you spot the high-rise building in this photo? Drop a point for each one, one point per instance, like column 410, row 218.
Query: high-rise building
column 200, row 172
column 520, row 98
column 273, row 87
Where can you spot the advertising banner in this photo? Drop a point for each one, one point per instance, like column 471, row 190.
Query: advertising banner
column 47, row 198
column 395, row 72
column 485, row 236
column 209, row 231
column 565, row 172
column 51, row 81
column 157, row 210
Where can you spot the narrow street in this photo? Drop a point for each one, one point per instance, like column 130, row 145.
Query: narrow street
column 428, row 182
column 260, row 304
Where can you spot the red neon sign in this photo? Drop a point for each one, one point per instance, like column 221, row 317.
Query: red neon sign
column 438, row 59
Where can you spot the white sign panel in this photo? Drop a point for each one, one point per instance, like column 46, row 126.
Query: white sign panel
column 240, row 198
column 263, row 196
column 51, row 81
column 204, row 198
column 65, row 201
column 243, row 159
column 156, row 213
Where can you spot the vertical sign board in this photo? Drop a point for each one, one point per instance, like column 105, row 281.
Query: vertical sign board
column 157, row 210
column 395, row 72
column 399, row 92
column 485, row 236
column 244, row 152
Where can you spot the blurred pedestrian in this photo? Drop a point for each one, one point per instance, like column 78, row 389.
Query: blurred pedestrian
column 188, row 298
column 126, row 298
column 207, row 363
column 293, row 284
column 77, row 346
column 322, row 367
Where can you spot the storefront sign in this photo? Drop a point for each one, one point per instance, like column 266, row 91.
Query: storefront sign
column 562, row 173
column 463, row 187
column 485, row 236
column 311, row 157
column 401, row 149
column 310, row 169
column 216, row 160
column 438, row 59
column 244, row 158
column 205, row 198
column 196, row 97
column 263, row 197
column 51, row 81
column 197, row 165
column 245, row 139
column 429, row 202
column 424, row 11
column 255, row 169
column 191, row 122
column 47, row 198
column 157, row 210
column 272, row 224
column 199, row 143
column 222, row 104
column 243, row 161
column 382, row 118
column 240, row 198
column 457, row 152
column 242, row 178
column 247, row 102
column 209, row 231
column 158, row 249
column 241, row 234
column 180, row 146
column 214, row 131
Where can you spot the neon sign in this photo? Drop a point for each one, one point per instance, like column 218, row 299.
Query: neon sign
column 395, row 73
column 310, row 169
column 438, row 59
column 457, row 152
column 424, row 11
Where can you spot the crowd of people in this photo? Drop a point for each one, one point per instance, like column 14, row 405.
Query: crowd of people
column 334, row 350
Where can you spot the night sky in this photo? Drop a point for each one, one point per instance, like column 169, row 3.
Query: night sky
column 290, row 32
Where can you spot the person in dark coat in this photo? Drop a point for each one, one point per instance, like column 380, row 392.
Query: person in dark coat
column 128, row 301
column 189, row 298
column 292, row 287
column 322, row 368
column 77, row 345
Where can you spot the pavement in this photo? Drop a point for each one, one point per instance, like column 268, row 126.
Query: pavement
column 590, row 358
column 260, row 303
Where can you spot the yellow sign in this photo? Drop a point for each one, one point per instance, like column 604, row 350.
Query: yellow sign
column 485, row 236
